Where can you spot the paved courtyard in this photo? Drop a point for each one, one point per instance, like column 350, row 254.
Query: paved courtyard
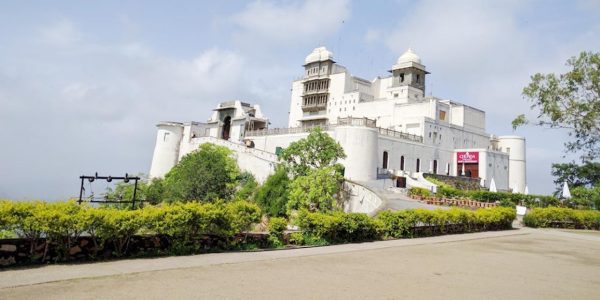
column 517, row 264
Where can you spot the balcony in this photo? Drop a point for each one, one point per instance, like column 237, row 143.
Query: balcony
column 314, row 106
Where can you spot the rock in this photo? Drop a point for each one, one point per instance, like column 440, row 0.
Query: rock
column 74, row 250
column 8, row 248
column 7, row 261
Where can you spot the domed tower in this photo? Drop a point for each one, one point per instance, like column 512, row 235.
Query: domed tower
column 166, row 151
column 408, row 71
column 318, row 66
column 515, row 147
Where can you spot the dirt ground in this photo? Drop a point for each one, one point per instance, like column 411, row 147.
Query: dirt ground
column 540, row 265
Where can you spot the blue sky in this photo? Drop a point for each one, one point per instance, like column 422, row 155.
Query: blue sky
column 82, row 84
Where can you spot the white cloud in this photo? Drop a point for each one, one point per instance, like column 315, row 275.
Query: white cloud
column 295, row 22
column 62, row 33
column 93, row 108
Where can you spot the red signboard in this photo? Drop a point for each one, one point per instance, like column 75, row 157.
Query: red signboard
column 467, row 157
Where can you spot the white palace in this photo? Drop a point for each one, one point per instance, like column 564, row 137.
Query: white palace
column 388, row 128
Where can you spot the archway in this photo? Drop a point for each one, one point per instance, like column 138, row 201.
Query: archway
column 385, row 159
column 226, row 128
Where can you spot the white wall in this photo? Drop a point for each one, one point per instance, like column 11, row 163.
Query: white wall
column 166, row 149
column 360, row 146
column 360, row 199
column 517, row 168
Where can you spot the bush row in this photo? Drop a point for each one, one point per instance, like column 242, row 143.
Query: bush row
column 505, row 199
column 563, row 218
column 62, row 223
column 341, row 227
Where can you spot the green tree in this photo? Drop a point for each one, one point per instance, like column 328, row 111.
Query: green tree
column 315, row 191
column 584, row 175
column 247, row 186
column 317, row 150
column 586, row 198
column 206, row 174
column 570, row 101
column 273, row 195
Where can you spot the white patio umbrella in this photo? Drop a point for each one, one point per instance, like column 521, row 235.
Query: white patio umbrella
column 565, row 192
column 526, row 190
column 493, row 186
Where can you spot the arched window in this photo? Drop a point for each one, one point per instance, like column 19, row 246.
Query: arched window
column 418, row 165
column 385, row 159
column 402, row 163
column 435, row 166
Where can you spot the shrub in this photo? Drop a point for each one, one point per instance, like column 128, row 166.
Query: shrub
column 316, row 191
column 339, row 227
column 420, row 222
column 207, row 174
column 417, row 191
column 182, row 224
column 277, row 226
column 563, row 218
column 272, row 196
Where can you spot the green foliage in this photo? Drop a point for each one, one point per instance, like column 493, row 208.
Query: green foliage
column 570, row 101
column 504, row 198
column 417, row 191
column 152, row 191
column 155, row 191
column 182, row 223
column 206, row 174
column 273, row 195
column 317, row 150
column 119, row 226
column 338, row 227
column 247, row 186
column 123, row 191
column 585, row 198
column 315, row 191
column 277, row 226
column 563, row 218
column 585, row 175
column 418, row 222
column 242, row 215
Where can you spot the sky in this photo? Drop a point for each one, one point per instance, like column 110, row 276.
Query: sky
column 83, row 84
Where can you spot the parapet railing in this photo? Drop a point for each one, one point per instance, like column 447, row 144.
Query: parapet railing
column 401, row 135
column 291, row 130
column 349, row 121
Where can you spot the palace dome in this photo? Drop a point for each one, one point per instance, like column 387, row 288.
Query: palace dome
column 319, row 54
column 408, row 56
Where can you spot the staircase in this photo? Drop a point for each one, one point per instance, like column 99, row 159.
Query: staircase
column 395, row 201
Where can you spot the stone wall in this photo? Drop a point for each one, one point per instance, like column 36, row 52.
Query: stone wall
column 15, row 252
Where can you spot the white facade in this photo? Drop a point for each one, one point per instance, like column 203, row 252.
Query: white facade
column 387, row 124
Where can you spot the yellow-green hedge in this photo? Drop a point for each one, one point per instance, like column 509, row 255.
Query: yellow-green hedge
column 563, row 218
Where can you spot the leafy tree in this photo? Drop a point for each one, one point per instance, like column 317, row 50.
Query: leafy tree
column 152, row 191
column 273, row 195
column 317, row 150
column 206, row 174
column 570, row 101
column 584, row 175
column 315, row 191
column 586, row 198
column 155, row 191
column 247, row 186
